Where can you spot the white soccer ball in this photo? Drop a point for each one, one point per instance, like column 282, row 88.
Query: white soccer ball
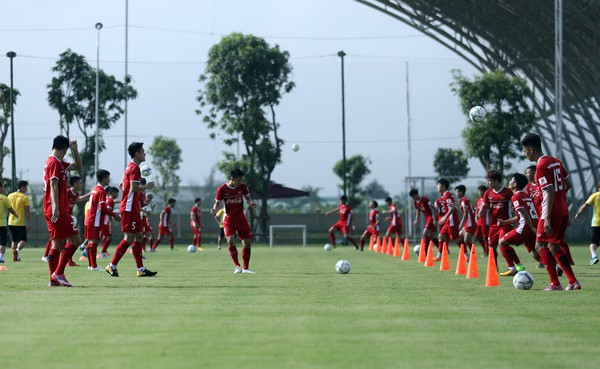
column 191, row 248
column 342, row 267
column 417, row 249
column 327, row 247
column 295, row 147
column 477, row 113
column 146, row 170
column 523, row 280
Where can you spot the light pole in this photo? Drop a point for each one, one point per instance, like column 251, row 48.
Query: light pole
column 125, row 156
column 341, row 54
column 12, row 55
column 97, row 143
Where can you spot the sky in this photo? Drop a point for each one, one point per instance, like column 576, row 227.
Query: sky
column 168, row 48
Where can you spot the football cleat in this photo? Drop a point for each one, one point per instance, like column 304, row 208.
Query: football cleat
column 237, row 270
column 553, row 287
column 573, row 287
column 594, row 261
column 248, row 271
column 520, row 267
column 61, row 280
column 146, row 273
column 113, row 272
column 508, row 273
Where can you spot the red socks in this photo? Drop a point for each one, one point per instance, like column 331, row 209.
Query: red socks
column 65, row 256
column 48, row 246
column 136, row 248
column 53, row 258
column 548, row 260
column 246, row 257
column 332, row 239
column 234, row 255
column 119, row 252
column 510, row 255
column 92, row 251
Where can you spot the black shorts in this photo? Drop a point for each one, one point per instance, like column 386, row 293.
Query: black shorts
column 595, row 235
column 18, row 233
column 3, row 235
column 222, row 232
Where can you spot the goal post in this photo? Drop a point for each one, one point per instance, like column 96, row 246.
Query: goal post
column 300, row 227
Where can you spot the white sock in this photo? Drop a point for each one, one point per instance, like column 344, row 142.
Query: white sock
column 594, row 255
column 512, row 268
column 141, row 269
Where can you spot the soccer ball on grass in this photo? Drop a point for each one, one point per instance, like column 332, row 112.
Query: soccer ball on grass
column 477, row 113
column 417, row 249
column 191, row 248
column 342, row 267
column 327, row 247
column 523, row 280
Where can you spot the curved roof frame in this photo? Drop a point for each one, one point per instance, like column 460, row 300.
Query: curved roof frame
column 517, row 37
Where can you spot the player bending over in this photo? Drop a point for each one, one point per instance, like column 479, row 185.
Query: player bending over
column 344, row 223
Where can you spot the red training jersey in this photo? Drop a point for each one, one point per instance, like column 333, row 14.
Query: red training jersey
column 498, row 203
column 166, row 218
column 482, row 221
column 131, row 201
column 394, row 218
column 439, row 205
column 424, row 205
column 195, row 214
column 72, row 197
column 533, row 190
column 521, row 200
column 465, row 205
column 549, row 171
column 446, row 204
column 373, row 218
column 97, row 206
column 345, row 213
column 55, row 169
column 234, row 199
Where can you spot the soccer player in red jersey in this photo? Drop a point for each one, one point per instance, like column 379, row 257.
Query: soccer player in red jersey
column 56, row 209
column 483, row 223
column 448, row 220
column 395, row 226
column 373, row 227
column 94, row 218
column 423, row 205
column 526, row 218
column 107, row 220
column 467, row 226
column 496, row 201
column 231, row 194
column 165, row 226
column 196, row 223
column 344, row 223
column 131, row 219
column 553, row 180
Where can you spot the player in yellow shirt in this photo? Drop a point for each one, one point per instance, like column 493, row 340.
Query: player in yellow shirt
column 16, row 224
column 594, row 201
column 5, row 206
column 219, row 217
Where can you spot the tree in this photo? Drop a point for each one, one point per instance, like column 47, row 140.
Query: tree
column 495, row 140
column 375, row 190
column 451, row 164
column 72, row 92
column 356, row 171
column 5, row 105
column 243, row 81
column 166, row 158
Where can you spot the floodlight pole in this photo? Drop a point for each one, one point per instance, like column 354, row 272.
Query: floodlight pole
column 97, row 143
column 558, row 76
column 125, row 156
column 341, row 54
column 12, row 55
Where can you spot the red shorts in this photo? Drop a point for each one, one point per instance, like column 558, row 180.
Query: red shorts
column 496, row 232
column 340, row 226
column 64, row 227
column 451, row 232
column 472, row 229
column 397, row 230
column 164, row 231
column 559, row 226
column 194, row 229
column 370, row 232
column 239, row 226
column 105, row 230
column 147, row 226
column 92, row 232
column 131, row 222
column 482, row 231
column 429, row 224
column 527, row 237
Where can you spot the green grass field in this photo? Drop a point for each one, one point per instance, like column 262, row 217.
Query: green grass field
column 295, row 313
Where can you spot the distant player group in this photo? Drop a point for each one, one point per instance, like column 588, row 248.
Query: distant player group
column 532, row 211
column 134, row 208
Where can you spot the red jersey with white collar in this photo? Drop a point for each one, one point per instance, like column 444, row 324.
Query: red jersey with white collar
column 447, row 203
column 465, row 205
column 424, row 205
column 131, row 200
column 550, row 173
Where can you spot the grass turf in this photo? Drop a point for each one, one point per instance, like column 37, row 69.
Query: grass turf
column 295, row 313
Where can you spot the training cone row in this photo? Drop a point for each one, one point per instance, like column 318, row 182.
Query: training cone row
column 491, row 277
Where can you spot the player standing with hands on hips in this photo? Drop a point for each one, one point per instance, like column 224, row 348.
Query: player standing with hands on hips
column 231, row 194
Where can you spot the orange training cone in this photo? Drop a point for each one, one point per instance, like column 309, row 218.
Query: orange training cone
column 397, row 248
column 491, row 277
column 460, row 264
column 390, row 250
column 384, row 245
column 3, row 268
column 429, row 260
column 371, row 242
column 405, row 251
column 423, row 252
column 472, row 271
column 378, row 244
column 445, row 264
column 81, row 258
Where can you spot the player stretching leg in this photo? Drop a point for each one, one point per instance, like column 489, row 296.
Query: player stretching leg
column 231, row 194
column 373, row 227
column 424, row 205
column 343, row 224
column 130, row 209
